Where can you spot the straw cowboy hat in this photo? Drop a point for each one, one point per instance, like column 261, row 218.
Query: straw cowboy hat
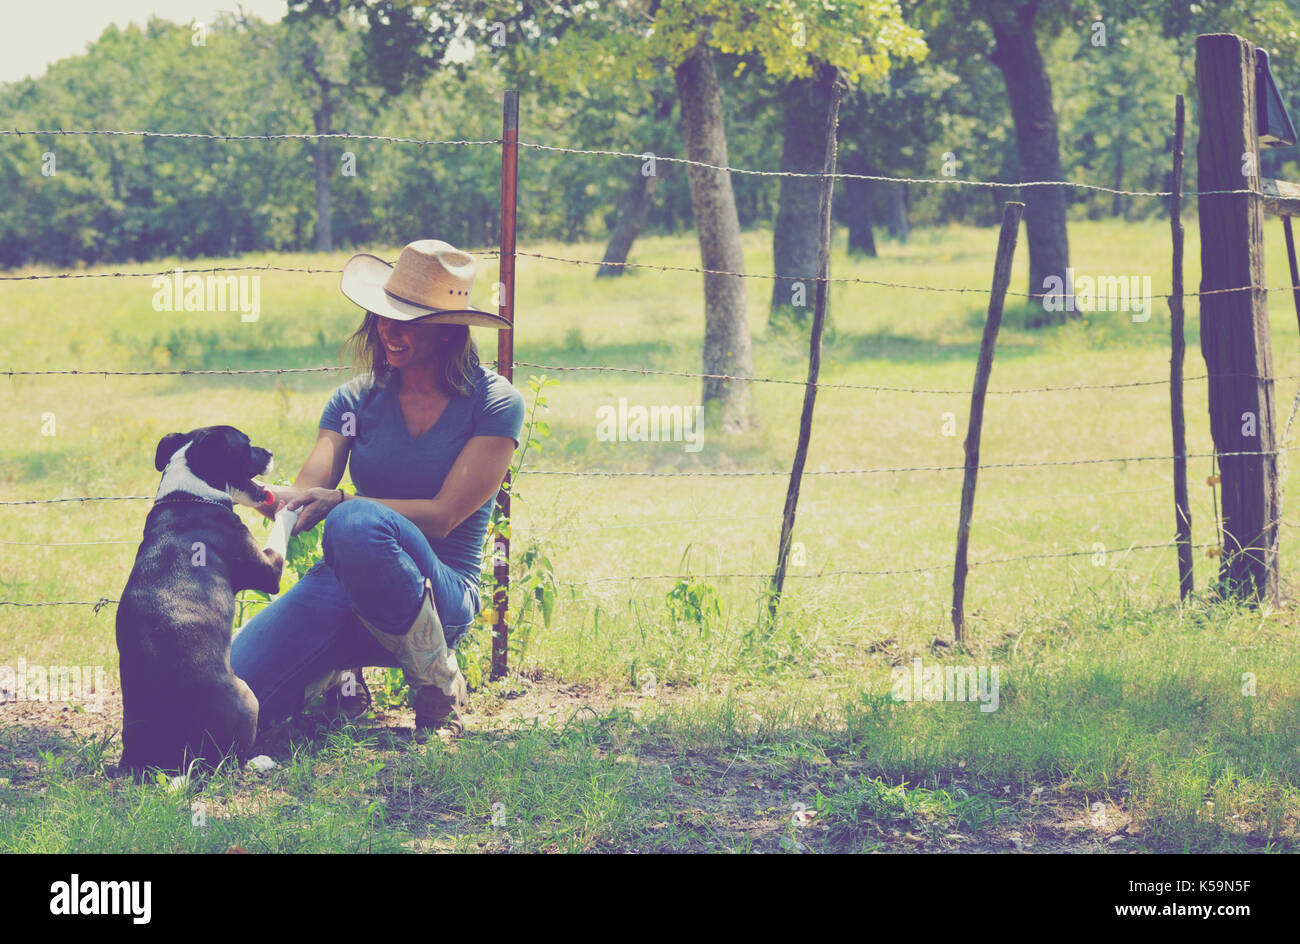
column 430, row 284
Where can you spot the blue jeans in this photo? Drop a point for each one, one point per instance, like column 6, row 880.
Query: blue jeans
column 375, row 561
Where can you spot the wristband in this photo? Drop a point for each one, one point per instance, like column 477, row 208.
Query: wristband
column 343, row 496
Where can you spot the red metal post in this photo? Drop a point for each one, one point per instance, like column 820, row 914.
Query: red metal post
column 505, row 363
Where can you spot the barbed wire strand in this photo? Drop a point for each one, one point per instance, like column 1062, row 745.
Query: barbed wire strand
column 103, row 601
column 842, row 175
column 876, row 471
column 833, row 385
column 269, row 267
column 881, row 388
column 524, row 532
column 873, row 509
column 307, row 136
column 1060, row 296
column 600, row 152
column 745, row 473
column 937, row 568
column 1167, row 545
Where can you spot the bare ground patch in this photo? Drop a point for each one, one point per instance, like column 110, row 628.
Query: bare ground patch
column 707, row 801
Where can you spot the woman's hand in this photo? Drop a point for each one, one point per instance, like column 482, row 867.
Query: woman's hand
column 283, row 495
column 312, row 507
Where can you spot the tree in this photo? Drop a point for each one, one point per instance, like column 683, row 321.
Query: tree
column 327, row 54
column 855, row 209
column 805, row 100
column 635, row 204
column 639, row 39
column 915, row 102
column 795, row 235
column 1029, row 93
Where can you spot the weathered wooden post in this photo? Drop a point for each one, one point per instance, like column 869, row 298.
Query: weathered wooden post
column 814, row 356
column 1178, row 345
column 1234, row 324
column 1011, row 214
column 505, row 365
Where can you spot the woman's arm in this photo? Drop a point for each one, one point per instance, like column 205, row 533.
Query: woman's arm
column 323, row 469
column 475, row 476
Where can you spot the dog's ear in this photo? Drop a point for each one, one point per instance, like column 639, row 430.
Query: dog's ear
column 167, row 447
column 204, row 457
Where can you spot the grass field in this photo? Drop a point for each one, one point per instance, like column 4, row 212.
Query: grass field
column 1124, row 721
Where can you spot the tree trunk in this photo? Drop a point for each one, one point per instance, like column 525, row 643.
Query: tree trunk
column 1117, row 206
column 1029, row 92
column 635, row 205
column 631, row 217
column 324, row 225
column 726, row 319
column 795, row 236
column 896, row 218
column 857, row 207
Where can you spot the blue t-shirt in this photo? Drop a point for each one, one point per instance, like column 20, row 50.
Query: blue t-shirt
column 387, row 463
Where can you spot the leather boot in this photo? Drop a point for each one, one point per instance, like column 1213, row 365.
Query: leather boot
column 438, row 688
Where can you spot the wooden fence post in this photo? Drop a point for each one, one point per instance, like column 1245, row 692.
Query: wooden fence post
column 1178, row 346
column 1011, row 214
column 505, row 364
column 1234, row 324
column 814, row 356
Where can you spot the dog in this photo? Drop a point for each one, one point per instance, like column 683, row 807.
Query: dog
column 181, row 701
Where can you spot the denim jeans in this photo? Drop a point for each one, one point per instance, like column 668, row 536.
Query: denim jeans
column 375, row 561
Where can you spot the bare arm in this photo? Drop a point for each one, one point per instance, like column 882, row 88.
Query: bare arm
column 323, row 469
column 475, row 476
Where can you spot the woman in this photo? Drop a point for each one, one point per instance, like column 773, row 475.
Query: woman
column 430, row 433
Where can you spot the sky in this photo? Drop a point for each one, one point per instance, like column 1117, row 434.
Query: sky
column 35, row 33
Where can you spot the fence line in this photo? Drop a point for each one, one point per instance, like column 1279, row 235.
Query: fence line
column 187, row 271
column 885, row 573
column 852, row 280
column 876, row 471
column 877, row 282
column 1282, row 450
column 871, row 509
column 841, row 175
column 63, row 543
column 339, row 135
column 755, row 473
column 168, row 373
column 598, row 152
column 875, row 387
column 997, row 500
column 834, row 385
column 1167, row 545
column 105, row 601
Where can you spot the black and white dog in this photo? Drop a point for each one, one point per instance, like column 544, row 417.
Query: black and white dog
column 181, row 701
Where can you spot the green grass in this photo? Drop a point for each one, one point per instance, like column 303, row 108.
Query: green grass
column 1110, row 693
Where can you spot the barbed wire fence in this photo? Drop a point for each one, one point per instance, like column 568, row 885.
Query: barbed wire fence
column 1283, row 449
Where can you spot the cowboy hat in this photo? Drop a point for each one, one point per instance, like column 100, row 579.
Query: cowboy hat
column 430, row 284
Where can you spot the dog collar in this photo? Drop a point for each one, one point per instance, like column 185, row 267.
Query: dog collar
column 176, row 497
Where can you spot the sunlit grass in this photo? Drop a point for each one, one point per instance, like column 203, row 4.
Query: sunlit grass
column 1098, row 659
